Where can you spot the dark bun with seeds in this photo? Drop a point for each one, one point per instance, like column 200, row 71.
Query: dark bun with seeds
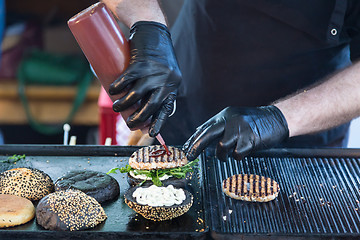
column 69, row 210
column 159, row 213
column 15, row 210
column 29, row 183
column 98, row 185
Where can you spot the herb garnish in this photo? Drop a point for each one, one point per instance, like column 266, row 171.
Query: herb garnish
column 14, row 158
column 156, row 174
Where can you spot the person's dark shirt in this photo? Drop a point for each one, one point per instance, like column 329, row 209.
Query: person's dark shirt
column 253, row 52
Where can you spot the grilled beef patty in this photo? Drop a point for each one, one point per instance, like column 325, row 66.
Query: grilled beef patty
column 250, row 187
column 143, row 159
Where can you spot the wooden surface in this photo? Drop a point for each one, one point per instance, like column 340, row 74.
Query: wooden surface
column 48, row 104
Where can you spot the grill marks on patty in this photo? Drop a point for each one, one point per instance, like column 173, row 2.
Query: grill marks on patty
column 250, row 187
column 141, row 159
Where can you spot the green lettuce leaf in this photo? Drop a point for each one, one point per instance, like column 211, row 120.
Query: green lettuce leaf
column 156, row 174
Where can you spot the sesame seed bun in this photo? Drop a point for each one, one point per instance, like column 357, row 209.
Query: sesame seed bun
column 29, row 183
column 69, row 210
column 15, row 210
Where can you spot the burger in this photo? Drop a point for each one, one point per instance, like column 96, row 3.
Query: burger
column 153, row 165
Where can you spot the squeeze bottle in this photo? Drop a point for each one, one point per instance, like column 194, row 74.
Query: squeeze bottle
column 105, row 47
column 107, row 50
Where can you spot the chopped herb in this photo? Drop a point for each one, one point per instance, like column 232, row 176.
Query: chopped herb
column 14, row 158
column 113, row 170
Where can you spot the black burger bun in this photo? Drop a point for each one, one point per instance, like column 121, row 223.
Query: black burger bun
column 98, row 185
column 69, row 210
column 162, row 213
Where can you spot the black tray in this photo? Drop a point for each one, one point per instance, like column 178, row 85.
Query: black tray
column 319, row 195
column 122, row 222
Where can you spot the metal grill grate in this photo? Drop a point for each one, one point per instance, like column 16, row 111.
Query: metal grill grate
column 318, row 196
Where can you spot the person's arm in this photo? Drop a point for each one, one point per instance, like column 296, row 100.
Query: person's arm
column 131, row 11
column 241, row 131
column 329, row 104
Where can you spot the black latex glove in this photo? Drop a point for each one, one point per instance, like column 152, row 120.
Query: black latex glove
column 153, row 77
column 239, row 131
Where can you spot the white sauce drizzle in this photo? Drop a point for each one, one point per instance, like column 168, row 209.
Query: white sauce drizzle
column 144, row 177
column 159, row 196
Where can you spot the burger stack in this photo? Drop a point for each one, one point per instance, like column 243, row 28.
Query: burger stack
column 158, row 180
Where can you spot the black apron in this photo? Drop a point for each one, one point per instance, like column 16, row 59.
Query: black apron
column 253, row 52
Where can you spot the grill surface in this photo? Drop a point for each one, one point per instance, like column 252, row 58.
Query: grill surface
column 122, row 222
column 319, row 196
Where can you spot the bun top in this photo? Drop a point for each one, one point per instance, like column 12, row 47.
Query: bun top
column 11, row 204
column 29, row 183
column 69, row 210
column 148, row 158
column 15, row 210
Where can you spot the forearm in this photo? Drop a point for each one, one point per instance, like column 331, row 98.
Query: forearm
column 131, row 11
column 327, row 105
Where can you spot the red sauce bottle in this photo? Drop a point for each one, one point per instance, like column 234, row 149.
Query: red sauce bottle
column 104, row 45
column 107, row 50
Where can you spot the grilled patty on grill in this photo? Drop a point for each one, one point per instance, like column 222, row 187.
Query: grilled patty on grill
column 250, row 187
column 143, row 159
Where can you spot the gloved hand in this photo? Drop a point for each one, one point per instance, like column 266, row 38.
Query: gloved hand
column 153, row 77
column 240, row 131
